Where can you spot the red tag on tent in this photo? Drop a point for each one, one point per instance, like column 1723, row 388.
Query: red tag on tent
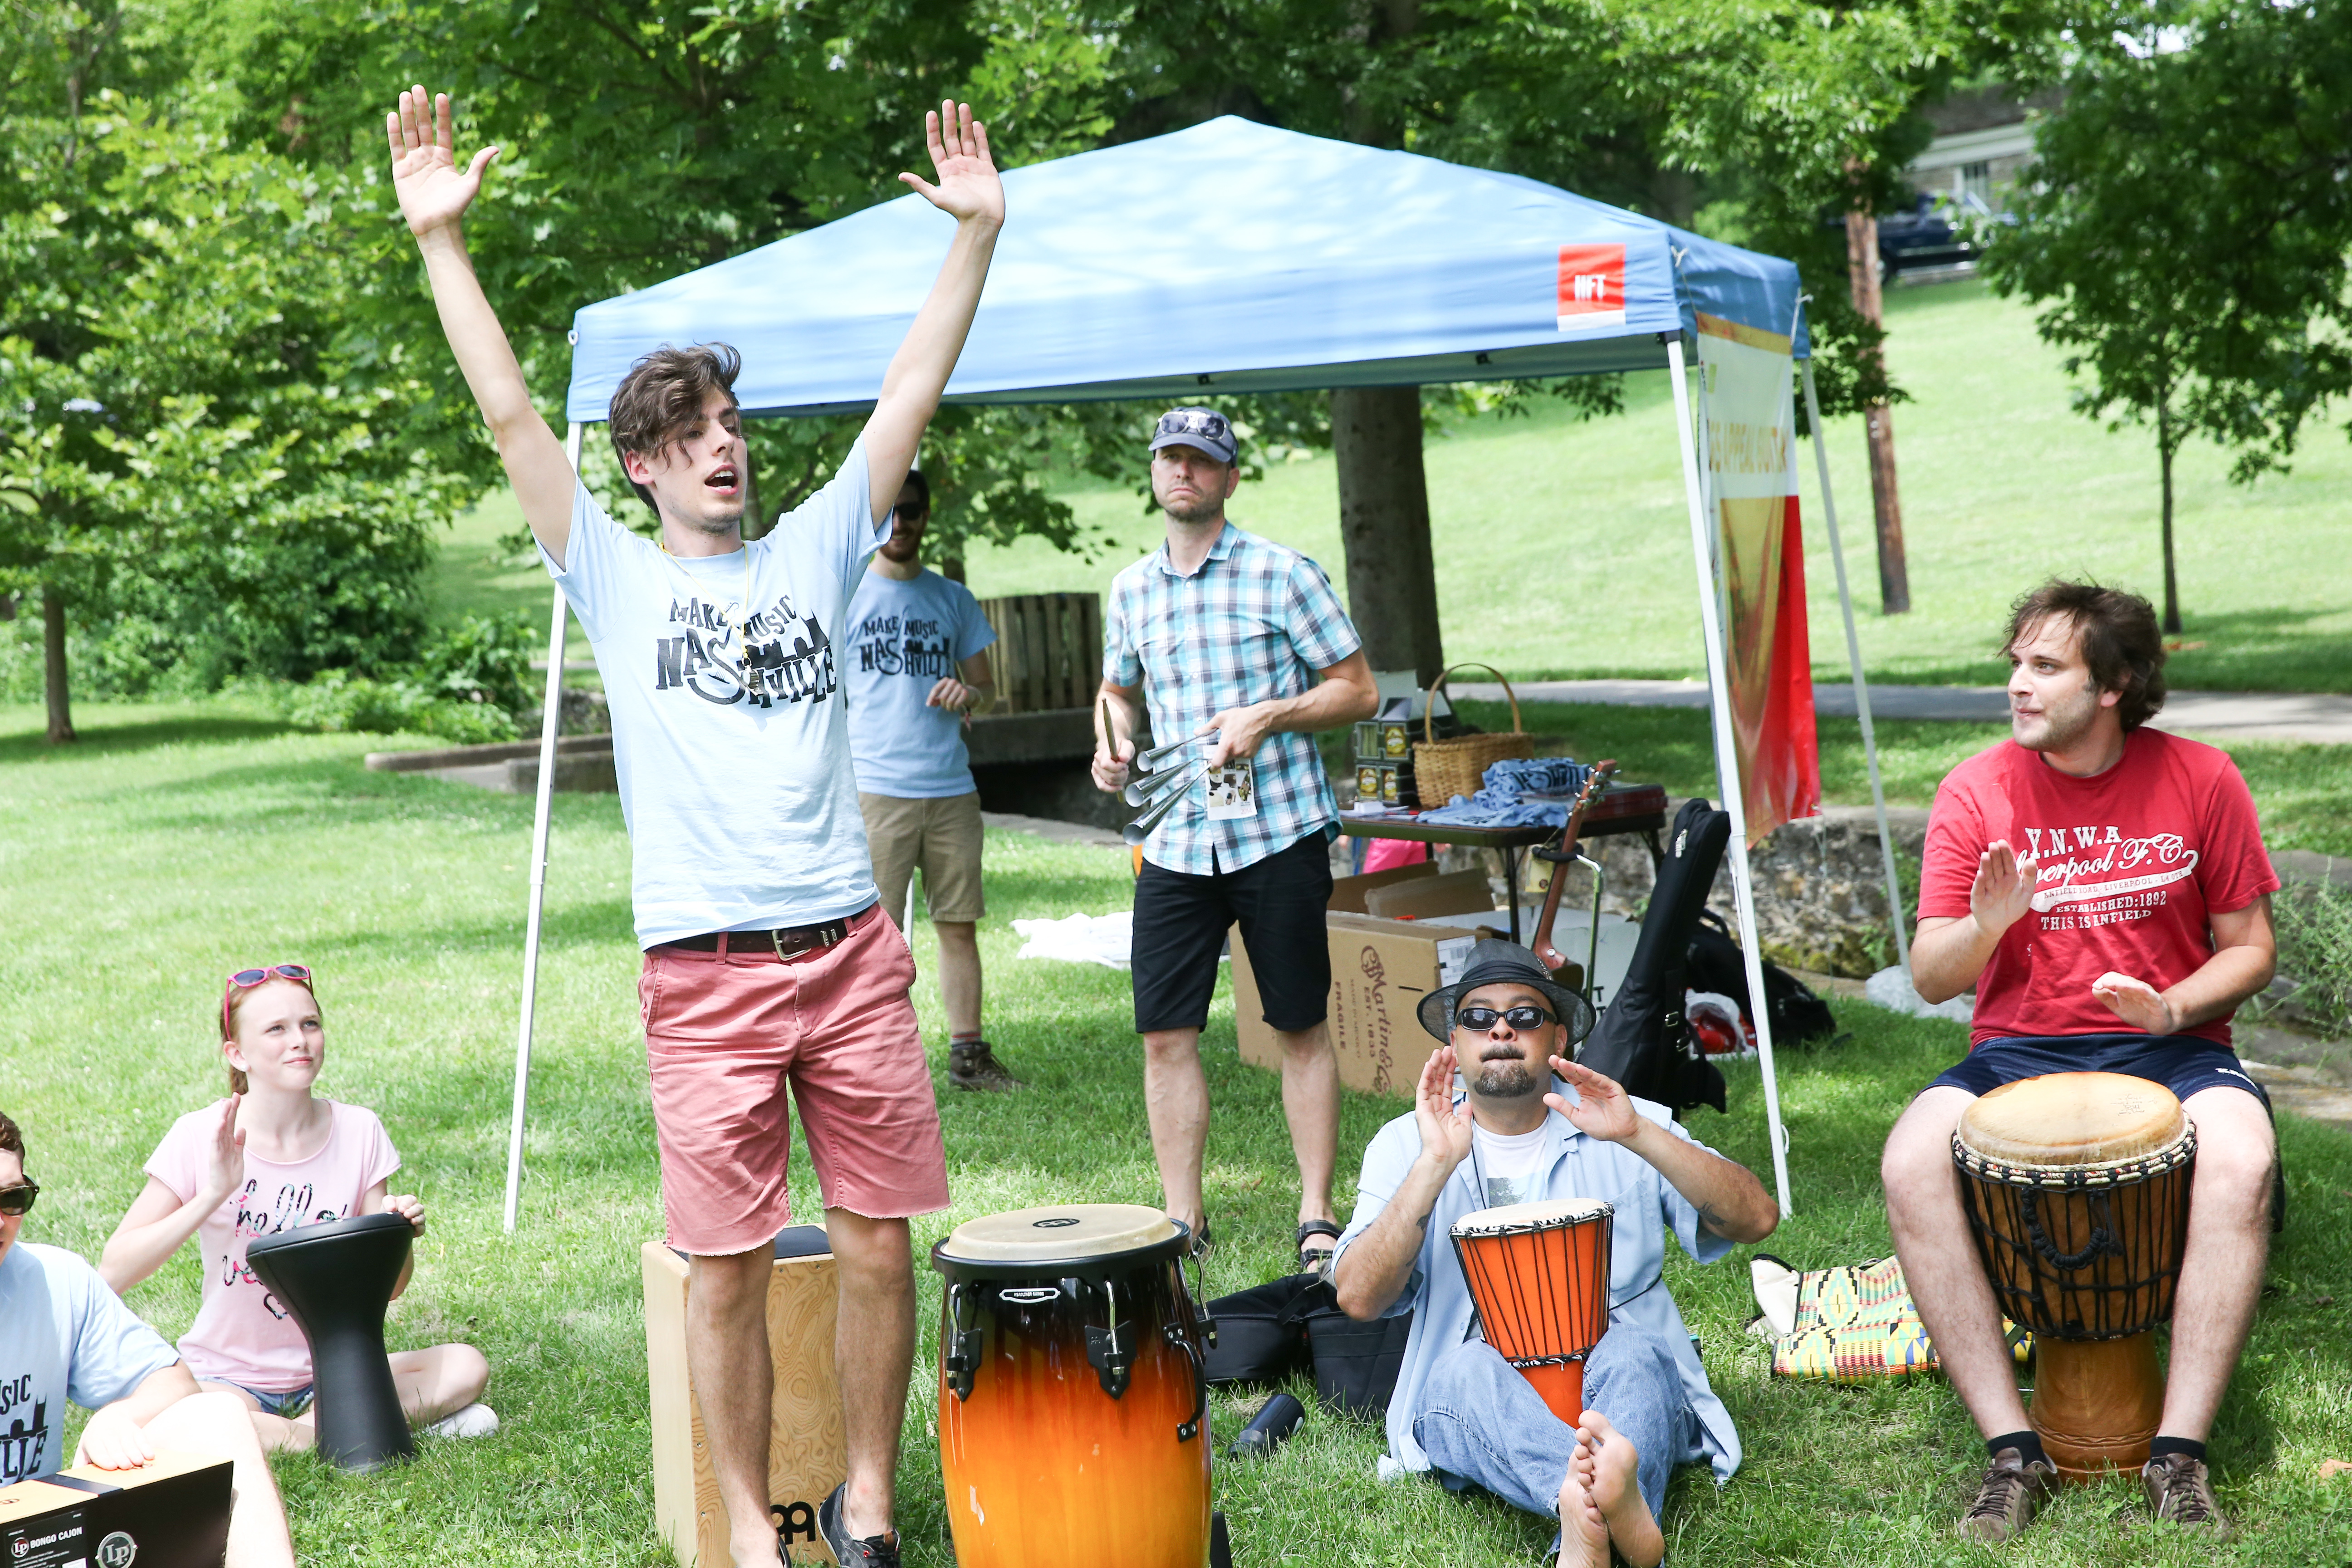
column 1592, row 286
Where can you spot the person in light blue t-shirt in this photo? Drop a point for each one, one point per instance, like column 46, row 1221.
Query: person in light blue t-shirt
column 64, row 1336
column 915, row 662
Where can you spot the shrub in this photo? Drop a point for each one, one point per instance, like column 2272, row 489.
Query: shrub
column 466, row 686
column 2315, row 957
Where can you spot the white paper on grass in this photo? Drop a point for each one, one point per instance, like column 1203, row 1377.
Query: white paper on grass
column 1890, row 988
column 1079, row 938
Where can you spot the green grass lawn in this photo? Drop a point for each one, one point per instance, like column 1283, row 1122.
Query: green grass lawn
column 1564, row 549
column 174, row 844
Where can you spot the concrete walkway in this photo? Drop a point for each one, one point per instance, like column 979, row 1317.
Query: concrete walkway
column 2322, row 717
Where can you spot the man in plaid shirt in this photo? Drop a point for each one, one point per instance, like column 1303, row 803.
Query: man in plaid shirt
column 1230, row 631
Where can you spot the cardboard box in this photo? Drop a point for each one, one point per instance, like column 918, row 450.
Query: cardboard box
column 1348, row 892
column 173, row 1513
column 1380, row 971
column 1452, row 893
column 808, row 1453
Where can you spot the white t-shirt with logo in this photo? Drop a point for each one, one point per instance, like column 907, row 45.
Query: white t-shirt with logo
column 729, row 730
column 1507, row 1162
column 63, row 1335
column 904, row 638
column 242, row 1335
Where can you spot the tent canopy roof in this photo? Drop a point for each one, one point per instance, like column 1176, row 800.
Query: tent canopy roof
column 1229, row 257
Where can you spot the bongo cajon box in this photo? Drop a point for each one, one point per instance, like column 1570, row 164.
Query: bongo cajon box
column 1380, row 969
column 807, row 1456
column 171, row 1513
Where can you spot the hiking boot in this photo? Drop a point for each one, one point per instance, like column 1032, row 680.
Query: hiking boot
column 2179, row 1490
column 853, row 1552
column 2012, row 1493
column 975, row 1066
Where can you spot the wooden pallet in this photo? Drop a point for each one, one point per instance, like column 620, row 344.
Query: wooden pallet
column 1048, row 650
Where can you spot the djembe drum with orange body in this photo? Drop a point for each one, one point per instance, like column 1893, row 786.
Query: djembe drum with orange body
column 1539, row 1275
column 2077, row 1186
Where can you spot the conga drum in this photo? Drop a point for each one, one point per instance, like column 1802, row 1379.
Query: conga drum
column 337, row 1278
column 1538, row 1277
column 1073, row 1397
column 2077, row 1186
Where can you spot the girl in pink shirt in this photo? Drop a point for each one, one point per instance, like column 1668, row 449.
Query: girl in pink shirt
column 272, row 1157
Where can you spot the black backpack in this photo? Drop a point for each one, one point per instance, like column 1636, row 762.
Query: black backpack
column 1715, row 963
column 1642, row 1040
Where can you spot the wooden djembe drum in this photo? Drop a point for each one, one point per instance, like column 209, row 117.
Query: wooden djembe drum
column 2077, row 1186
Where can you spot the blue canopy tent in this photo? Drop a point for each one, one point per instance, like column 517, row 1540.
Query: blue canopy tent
column 1229, row 257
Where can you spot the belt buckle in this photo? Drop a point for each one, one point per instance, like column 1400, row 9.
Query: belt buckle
column 776, row 941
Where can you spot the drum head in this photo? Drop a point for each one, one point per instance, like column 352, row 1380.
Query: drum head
column 1532, row 1217
column 1067, row 1236
column 2073, row 1119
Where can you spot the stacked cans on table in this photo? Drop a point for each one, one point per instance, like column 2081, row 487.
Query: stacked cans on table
column 1384, row 760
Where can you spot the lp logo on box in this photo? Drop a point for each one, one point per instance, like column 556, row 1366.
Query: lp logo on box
column 117, row 1551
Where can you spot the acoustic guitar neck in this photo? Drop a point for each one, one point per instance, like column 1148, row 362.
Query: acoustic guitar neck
column 1561, row 855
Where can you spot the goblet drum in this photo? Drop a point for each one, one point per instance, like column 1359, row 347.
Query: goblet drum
column 1538, row 1274
column 337, row 1279
column 1072, row 1398
column 2077, row 1186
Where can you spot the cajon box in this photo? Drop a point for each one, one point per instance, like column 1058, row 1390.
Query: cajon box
column 171, row 1513
column 807, row 1456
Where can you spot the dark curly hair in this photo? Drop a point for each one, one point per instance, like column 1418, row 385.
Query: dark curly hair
column 2120, row 640
column 12, row 1138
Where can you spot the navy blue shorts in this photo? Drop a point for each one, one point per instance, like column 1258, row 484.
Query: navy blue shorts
column 2182, row 1063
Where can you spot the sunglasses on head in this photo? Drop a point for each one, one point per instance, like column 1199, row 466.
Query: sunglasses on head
column 247, row 979
column 18, row 1200
column 1194, row 422
column 1525, row 1016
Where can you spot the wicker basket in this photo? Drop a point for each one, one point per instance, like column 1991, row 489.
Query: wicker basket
column 1443, row 769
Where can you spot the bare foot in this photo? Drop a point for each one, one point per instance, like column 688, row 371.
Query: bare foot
column 1583, row 1530
column 1604, row 1467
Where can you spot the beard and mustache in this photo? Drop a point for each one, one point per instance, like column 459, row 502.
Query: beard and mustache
column 1505, row 1078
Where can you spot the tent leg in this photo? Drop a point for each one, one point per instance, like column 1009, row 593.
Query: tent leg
column 1861, row 682
column 1727, row 767
column 551, row 721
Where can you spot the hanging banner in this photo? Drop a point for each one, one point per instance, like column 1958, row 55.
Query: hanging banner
column 1752, row 477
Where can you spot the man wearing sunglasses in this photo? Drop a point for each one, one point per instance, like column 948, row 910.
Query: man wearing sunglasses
column 1246, row 651
column 64, row 1335
column 1527, row 1125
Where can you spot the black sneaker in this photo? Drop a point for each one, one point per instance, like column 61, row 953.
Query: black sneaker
column 869, row 1551
column 975, row 1066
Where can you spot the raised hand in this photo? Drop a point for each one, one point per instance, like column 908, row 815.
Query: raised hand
column 1602, row 1108
column 2004, row 886
column 969, row 190
column 434, row 192
column 225, row 1164
column 2136, row 1002
column 1444, row 1131
column 407, row 1207
column 1112, row 768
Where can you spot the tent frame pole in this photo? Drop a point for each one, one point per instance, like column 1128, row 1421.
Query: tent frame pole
column 1726, row 764
column 551, row 722
column 1861, row 682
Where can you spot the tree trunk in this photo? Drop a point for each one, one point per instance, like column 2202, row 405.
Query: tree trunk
column 53, row 650
column 952, row 568
column 1861, row 272
column 2164, row 458
column 1384, row 527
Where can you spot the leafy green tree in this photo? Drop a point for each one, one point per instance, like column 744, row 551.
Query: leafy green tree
column 2186, row 230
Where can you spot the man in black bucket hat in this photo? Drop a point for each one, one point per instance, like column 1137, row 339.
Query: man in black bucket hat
column 1524, row 1124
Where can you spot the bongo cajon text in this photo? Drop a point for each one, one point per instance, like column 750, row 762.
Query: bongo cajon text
column 806, row 1455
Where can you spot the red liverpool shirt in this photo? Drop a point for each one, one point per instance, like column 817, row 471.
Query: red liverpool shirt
column 2144, row 854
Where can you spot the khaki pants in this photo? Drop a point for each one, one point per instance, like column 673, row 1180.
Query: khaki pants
column 942, row 836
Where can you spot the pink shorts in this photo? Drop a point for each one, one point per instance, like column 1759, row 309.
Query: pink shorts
column 723, row 1038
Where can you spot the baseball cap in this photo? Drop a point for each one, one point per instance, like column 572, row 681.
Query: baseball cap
column 1204, row 428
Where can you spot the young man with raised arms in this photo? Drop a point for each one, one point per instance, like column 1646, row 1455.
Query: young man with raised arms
column 768, row 960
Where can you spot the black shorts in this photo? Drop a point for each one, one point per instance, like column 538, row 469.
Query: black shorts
column 1181, row 921
column 2182, row 1063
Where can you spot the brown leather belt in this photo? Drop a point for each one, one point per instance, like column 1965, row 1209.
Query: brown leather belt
column 783, row 943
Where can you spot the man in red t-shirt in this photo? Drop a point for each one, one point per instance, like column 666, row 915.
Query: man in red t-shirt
column 2103, row 886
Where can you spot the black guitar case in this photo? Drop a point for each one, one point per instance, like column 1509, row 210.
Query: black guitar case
column 1642, row 1040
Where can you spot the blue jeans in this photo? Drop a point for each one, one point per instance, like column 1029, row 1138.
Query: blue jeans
column 1483, row 1425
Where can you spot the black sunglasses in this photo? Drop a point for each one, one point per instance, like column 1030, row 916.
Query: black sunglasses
column 1525, row 1016
column 18, row 1200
